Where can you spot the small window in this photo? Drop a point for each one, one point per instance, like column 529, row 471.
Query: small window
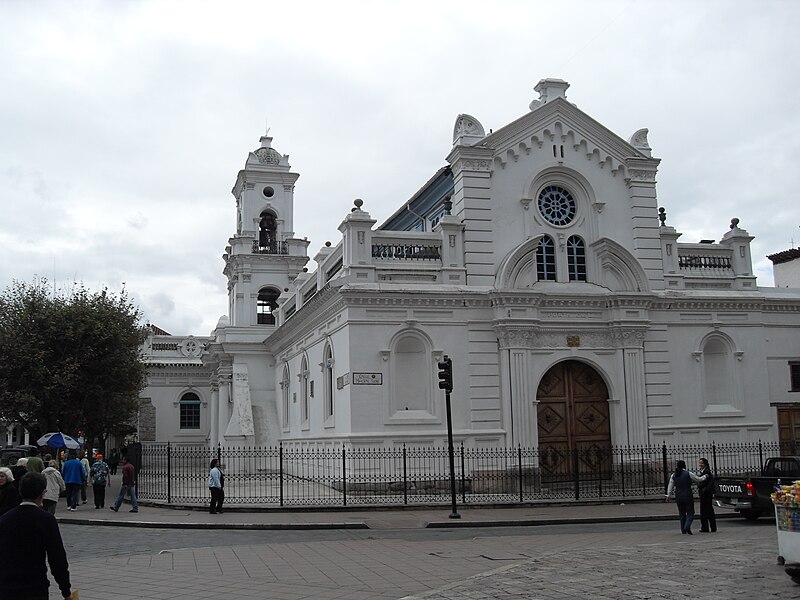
column 576, row 259
column 546, row 259
column 190, row 411
column 794, row 371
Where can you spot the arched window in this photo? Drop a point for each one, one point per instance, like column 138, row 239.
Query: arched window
column 576, row 259
column 189, row 411
column 327, row 380
column 285, row 395
column 303, row 375
column 266, row 305
column 267, row 236
column 546, row 259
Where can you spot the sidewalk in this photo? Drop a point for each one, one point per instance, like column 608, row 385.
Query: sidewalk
column 536, row 563
column 373, row 518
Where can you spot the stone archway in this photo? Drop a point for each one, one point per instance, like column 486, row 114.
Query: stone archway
column 573, row 422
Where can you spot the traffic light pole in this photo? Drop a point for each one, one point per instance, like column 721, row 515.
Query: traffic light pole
column 450, row 451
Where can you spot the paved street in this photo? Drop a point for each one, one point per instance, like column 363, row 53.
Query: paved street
column 640, row 560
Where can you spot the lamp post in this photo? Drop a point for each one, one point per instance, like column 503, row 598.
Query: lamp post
column 446, row 384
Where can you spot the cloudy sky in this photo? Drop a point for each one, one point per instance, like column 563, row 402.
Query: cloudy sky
column 123, row 124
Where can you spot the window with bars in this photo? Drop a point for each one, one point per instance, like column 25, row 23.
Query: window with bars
column 546, row 259
column 576, row 259
column 190, row 411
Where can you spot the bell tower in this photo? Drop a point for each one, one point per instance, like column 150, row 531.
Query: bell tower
column 263, row 257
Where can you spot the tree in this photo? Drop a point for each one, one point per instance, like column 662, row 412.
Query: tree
column 69, row 361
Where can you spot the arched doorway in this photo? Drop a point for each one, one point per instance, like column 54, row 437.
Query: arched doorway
column 573, row 422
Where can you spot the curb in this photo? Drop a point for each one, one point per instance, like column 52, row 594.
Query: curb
column 455, row 523
column 233, row 526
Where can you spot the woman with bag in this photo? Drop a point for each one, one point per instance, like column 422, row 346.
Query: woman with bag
column 216, row 482
column 55, row 487
column 708, row 519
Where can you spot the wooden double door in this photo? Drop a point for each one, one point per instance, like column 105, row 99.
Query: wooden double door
column 789, row 430
column 573, row 422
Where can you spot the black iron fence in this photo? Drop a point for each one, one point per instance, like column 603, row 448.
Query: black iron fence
column 292, row 476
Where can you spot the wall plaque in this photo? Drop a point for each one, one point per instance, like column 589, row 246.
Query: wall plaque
column 367, row 378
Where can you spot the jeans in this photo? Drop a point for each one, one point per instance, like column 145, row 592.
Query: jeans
column 686, row 512
column 123, row 491
column 72, row 494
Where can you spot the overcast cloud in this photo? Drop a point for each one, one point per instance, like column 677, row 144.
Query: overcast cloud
column 123, row 124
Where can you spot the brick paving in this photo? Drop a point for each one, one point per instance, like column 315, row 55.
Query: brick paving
column 643, row 561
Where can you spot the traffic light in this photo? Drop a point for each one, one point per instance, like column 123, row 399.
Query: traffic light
column 446, row 374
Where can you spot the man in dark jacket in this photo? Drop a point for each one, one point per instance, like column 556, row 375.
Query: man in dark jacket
column 28, row 535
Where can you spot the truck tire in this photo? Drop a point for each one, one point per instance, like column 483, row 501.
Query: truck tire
column 750, row 514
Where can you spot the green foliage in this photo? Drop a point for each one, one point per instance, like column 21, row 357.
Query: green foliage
column 69, row 361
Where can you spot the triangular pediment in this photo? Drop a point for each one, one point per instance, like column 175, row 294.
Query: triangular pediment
column 556, row 123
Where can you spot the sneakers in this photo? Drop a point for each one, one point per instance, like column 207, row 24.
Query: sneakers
column 114, row 509
column 72, row 508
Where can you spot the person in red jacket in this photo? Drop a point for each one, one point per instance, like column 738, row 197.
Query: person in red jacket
column 29, row 539
column 128, row 487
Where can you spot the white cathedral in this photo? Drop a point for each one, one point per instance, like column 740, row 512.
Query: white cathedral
column 538, row 259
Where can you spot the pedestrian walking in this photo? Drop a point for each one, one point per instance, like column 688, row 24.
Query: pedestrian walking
column 216, row 485
column 705, row 489
column 74, row 478
column 113, row 461
column 35, row 462
column 680, row 483
column 9, row 498
column 86, row 469
column 99, row 472
column 128, row 487
column 29, row 539
column 18, row 468
column 55, row 486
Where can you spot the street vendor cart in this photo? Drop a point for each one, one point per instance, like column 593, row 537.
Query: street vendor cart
column 787, row 519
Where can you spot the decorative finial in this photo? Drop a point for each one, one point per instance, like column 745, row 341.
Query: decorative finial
column 734, row 223
column 305, row 269
column 359, row 203
column 662, row 216
column 448, row 205
column 327, row 244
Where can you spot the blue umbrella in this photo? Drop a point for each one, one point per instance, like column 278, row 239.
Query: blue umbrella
column 58, row 440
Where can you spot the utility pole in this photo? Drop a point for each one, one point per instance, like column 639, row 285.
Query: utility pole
column 446, row 384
